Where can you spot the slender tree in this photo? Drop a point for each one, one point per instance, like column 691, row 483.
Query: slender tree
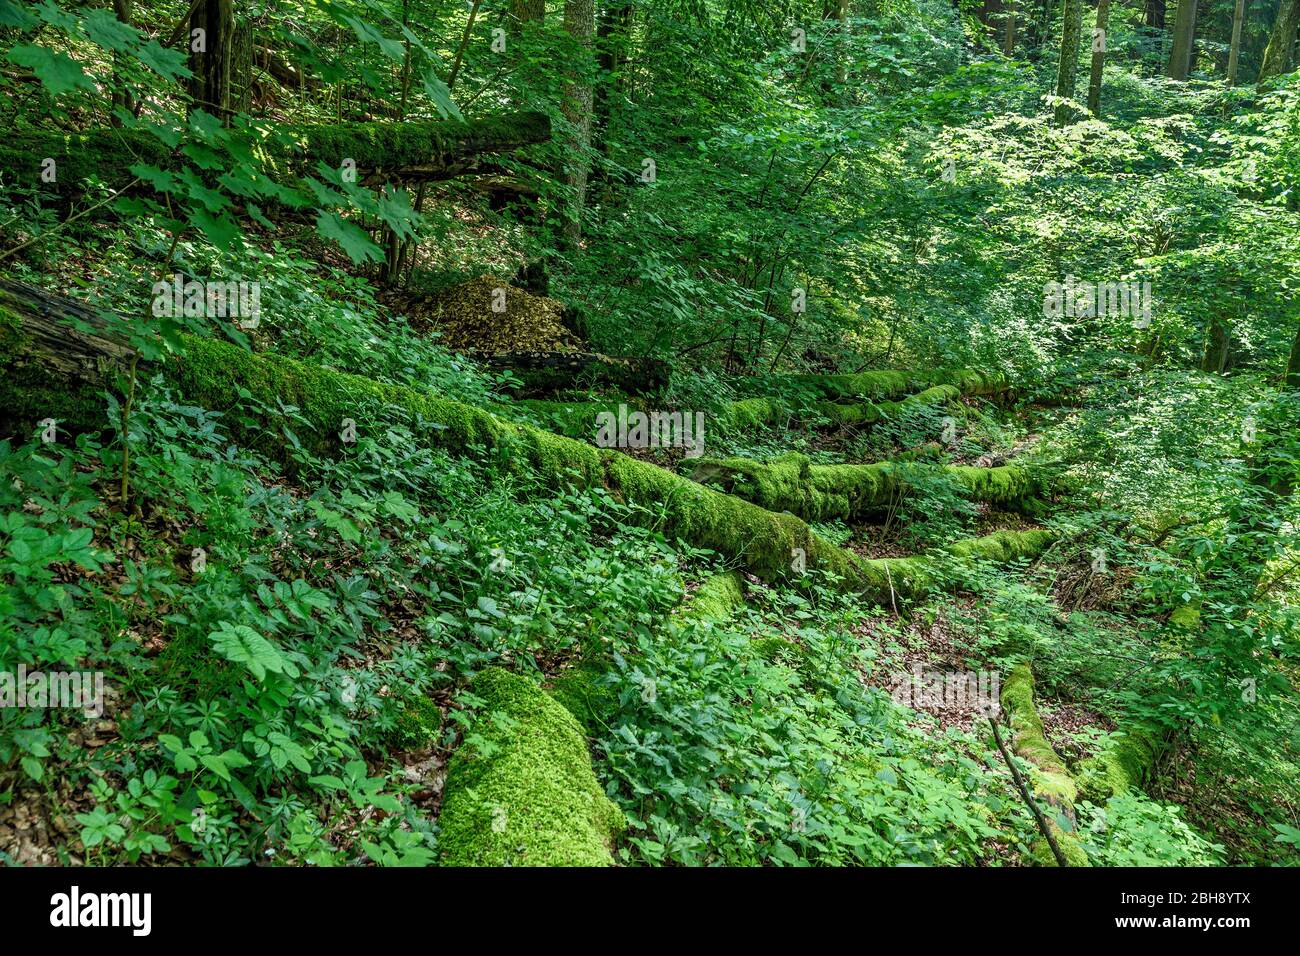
column 611, row 47
column 1234, row 49
column 1071, row 28
column 579, row 23
column 1279, row 55
column 1098, row 57
column 1154, row 14
column 1009, row 32
column 1293, row 365
column 1180, row 53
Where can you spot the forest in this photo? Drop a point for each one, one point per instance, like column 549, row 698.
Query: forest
column 649, row 433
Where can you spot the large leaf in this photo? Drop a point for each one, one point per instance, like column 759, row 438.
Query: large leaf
column 240, row 644
column 58, row 72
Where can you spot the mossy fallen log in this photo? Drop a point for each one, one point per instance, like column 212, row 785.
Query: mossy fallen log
column 1123, row 765
column 591, row 699
column 54, row 370
column 380, row 150
column 849, row 492
column 524, row 794
column 579, row 419
column 715, row 601
column 853, row 414
column 917, row 575
column 1052, row 782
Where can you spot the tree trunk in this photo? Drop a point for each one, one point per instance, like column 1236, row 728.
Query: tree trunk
column 579, row 23
column 528, row 11
column 1069, row 66
column 1218, row 343
column 841, row 54
column 611, row 43
column 1155, row 14
column 1234, row 49
column 1293, row 365
column 121, row 97
column 1280, row 52
column 212, row 29
column 1180, row 54
column 1098, row 57
column 1009, row 34
column 241, row 67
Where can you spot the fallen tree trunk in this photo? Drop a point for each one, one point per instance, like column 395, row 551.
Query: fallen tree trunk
column 57, row 370
column 53, row 370
column 868, row 413
column 1051, row 779
column 579, row 419
column 850, row 492
column 382, row 151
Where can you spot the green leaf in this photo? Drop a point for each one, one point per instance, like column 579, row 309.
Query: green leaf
column 240, row 644
column 58, row 72
column 352, row 238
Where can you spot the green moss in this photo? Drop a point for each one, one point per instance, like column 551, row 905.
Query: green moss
column 1053, row 779
column 1121, row 767
column 524, row 794
column 583, row 694
column 716, row 600
column 1004, row 547
column 849, row 492
column 417, row 725
column 1052, row 782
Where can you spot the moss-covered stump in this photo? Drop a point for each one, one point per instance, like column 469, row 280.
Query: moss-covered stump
column 849, row 492
column 1051, row 779
column 525, row 794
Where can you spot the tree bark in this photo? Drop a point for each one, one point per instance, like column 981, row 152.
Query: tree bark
column 1098, row 57
column 1069, row 65
column 579, row 23
column 1218, row 344
column 528, row 11
column 212, row 29
column 611, row 43
column 1180, row 53
column 1009, row 33
column 121, row 97
column 1279, row 55
column 1234, row 49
